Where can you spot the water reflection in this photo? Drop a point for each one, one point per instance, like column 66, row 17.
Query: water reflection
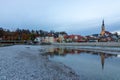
column 87, row 64
column 65, row 51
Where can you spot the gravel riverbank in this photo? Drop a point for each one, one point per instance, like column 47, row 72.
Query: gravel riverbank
column 23, row 62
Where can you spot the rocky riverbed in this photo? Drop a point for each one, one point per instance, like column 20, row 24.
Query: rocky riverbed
column 25, row 62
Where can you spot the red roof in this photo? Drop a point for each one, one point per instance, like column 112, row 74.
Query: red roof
column 73, row 36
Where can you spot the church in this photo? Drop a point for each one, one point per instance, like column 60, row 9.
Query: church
column 106, row 35
column 103, row 31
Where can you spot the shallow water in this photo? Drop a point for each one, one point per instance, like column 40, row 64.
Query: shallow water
column 88, row 65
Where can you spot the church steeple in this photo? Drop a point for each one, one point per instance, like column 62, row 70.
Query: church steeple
column 103, row 25
column 103, row 29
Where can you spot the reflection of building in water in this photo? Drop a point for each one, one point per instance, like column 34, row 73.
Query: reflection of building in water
column 51, row 50
column 61, row 51
column 103, row 56
column 118, row 55
column 65, row 51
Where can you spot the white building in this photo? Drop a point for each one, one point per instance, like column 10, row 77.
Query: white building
column 38, row 39
column 51, row 39
column 61, row 38
column 45, row 39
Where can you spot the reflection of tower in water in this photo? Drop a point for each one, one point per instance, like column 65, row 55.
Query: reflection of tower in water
column 102, row 55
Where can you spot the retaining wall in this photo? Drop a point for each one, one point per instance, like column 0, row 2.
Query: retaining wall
column 107, row 44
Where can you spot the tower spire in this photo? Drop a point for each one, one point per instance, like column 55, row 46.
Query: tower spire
column 102, row 28
column 103, row 23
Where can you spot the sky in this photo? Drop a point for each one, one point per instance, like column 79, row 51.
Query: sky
column 73, row 16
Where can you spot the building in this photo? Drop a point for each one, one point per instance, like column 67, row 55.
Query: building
column 105, row 35
column 38, row 40
column 74, row 38
column 103, row 29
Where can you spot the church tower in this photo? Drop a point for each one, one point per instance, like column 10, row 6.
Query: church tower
column 103, row 29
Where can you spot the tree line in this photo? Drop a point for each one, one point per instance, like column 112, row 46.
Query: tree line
column 26, row 34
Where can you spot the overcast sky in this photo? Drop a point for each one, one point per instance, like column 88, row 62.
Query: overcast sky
column 72, row 16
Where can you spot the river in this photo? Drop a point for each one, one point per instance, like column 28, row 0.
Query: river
column 87, row 64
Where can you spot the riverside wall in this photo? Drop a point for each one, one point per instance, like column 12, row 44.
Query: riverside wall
column 104, row 44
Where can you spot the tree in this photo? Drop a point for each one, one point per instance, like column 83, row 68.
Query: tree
column 1, row 32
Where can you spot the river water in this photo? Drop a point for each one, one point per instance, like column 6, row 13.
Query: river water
column 88, row 65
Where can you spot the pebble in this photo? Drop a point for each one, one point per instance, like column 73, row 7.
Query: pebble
column 3, row 78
